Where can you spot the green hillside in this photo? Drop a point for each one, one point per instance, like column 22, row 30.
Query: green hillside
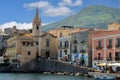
column 93, row 16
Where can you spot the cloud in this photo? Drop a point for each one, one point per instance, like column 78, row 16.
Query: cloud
column 61, row 9
column 40, row 4
column 70, row 3
column 18, row 25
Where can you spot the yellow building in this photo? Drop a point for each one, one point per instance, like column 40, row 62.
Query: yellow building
column 48, row 46
column 114, row 26
column 21, row 49
column 25, row 47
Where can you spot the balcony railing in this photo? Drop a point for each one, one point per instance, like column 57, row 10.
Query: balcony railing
column 74, row 51
column 98, row 58
column 117, row 58
column 117, row 45
column 82, row 51
column 109, row 46
column 99, row 47
column 109, row 59
column 62, row 47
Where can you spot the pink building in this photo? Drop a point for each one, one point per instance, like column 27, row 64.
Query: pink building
column 106, row 47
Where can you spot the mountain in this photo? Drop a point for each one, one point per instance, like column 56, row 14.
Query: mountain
column 93, row 16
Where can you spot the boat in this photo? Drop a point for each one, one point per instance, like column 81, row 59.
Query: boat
column 104, row 77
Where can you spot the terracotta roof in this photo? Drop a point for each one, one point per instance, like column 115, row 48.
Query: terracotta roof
column 49, row 34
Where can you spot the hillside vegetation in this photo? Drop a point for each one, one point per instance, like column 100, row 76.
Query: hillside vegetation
column 93, row 16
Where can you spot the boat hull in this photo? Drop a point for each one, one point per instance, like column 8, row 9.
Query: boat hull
column 104, row 77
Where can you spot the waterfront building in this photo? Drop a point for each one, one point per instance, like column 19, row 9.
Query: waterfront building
column 114, row 26
column 64, row 44
column 105, row 47
column 82, row 46
column 48, row 46
column 14, row 31
column 3, row 38
column 64, row 48
column 21, row 49
column 62, row 31
column 25, row 47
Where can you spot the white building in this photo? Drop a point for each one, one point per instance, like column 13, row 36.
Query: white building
column 64, row 52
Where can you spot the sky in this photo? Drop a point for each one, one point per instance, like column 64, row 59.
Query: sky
column 20, row 13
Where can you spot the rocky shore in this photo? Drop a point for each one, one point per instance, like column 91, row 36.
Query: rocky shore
column 47, row 67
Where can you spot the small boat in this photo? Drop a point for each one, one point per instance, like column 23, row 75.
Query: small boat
column 104, row 77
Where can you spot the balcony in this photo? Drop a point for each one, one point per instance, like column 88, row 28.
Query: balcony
column 96, row 58
column 62, row 47
column 75, row 42
column 109, row 46
column 109, row 58
column 74, row 51
column 117, row 58
column 99, row 47
column 82, row 51
column 117, row 45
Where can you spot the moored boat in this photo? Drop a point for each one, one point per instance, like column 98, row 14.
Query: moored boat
column 104, row 77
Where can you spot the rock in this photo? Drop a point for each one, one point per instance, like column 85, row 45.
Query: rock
column 77, row 74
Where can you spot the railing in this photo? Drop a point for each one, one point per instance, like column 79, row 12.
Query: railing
column 117, row 58
column 99, row 47
column 117, row 45
column 98, row 58
column 109, row 59
column 74, row 51
column 82, row 51
column 109, row 46
column 62, row 47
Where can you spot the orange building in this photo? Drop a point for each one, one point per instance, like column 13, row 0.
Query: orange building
column 105, row 47
column 114, row 26
column 65, row 31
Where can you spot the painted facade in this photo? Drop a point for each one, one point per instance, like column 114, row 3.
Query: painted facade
column 64, row 48
column 105, row 47
column 48, row 46
column 114, row 26
column 21, row 49
column 80, row 46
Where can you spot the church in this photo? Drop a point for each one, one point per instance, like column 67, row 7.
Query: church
column 25, row 47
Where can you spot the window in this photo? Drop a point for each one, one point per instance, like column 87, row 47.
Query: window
column 47, row 43
column 37, row 27
column 66, row 44
column 31, row 43
column 99, row 43
column 29, row 52
column 61, row 34
column 60, row 53
column 110, row 56
column 74, row 41
column 99, row 56
column 118, row 41
column 60, row 44
column 65, row 51
column 110, row 42
column 36, row 42
column 23, row 43
column 75, row 49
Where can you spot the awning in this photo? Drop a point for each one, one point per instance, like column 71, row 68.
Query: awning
column 109, row 64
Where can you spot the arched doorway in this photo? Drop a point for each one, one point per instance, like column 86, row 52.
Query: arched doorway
column 47, row 54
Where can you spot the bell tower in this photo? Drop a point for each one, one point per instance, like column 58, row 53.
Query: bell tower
column 36, row 24
column 36, row 32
